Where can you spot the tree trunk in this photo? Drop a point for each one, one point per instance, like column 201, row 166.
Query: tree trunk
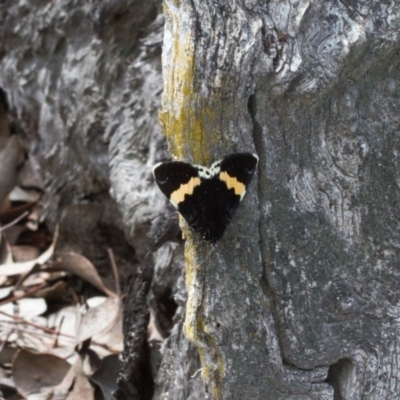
column 299, row 299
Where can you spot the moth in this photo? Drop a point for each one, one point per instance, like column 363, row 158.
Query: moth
column 207, row 198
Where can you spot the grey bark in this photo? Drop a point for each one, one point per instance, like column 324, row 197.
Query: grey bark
column 300, row 298
column 314, row 266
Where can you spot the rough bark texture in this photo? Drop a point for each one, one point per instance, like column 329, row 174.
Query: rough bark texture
column 300, row 298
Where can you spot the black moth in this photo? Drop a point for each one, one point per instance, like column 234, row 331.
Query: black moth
column 207, row 197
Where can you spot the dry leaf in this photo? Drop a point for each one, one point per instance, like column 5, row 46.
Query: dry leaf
column 62, row 390
column 98, row 319
column 75, row 385
column 10, row 269
column 5, row 292
column 5, row 206
column 38, row 373
column 35, row 277
column 8, row 385
column 25, row 308
column 82, row 388
column 34, row 217
column 81, row 266
column 24, row 195
column 7, row 354
column 6, row 254
column 14, row 212
column 13, row 232
column 112, row 338
column 22, row 253
column 64, row 321
column 56, row 293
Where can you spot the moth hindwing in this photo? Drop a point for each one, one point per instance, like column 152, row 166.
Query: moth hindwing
column 207, row 197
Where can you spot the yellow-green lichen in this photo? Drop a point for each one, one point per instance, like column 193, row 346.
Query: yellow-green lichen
column 196, row 327
column 189, row 121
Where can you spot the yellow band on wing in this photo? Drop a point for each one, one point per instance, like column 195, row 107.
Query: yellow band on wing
column 185, row 189
column 233, row 183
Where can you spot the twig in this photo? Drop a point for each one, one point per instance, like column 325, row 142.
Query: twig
column 25, row 294
column 58, row 331
column 16, row 220
column 37, row 333
column 115, row 271
column 43, row 328
column 46, row 330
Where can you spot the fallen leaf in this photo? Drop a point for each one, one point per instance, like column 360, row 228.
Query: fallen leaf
column 112, row 338
column 14, row 211
column 25, row 308
column 96, row 301
column 7, row 354
column 24, row 253
column 81, row 266
column 6, row 254
column 62, row 390
column 10, row 269
column 37, row 373
column 98, row 319
column 34, row 216
column 37, row 276
column 57, row 293
column 5, row 292
column 75, row 385
column 5, row 206
column 24, row 195
column 82, row 388
column 12, row 234
column 7, row 386
column 64, row 321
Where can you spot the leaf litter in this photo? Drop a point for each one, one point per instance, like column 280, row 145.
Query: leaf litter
column 53, row 343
